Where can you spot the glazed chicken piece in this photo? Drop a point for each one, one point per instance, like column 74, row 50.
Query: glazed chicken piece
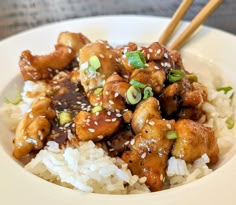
column 149, row 151
column 73, row 40
column 91, row 79
column 33, row 128
column 144, row 111
column 194, row 140
column 152, row 76
column 184, row 99
column 44, row 67
column 96, row 126
column 114, row 93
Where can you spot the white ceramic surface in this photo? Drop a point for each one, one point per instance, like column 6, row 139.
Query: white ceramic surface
column 211, row 48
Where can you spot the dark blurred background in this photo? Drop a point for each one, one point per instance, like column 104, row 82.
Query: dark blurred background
column 20, row 15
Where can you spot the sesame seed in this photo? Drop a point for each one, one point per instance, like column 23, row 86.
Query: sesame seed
column 132, row 142
column 101, row 55
column 118, row 115
column 164, row 179
column 100, row 136
column 113, row 119
column 151, row 123
column 108, row 47
column 110, row 56
column 111, row 102
column 143, row 155
column 117, row 60
column 116, row 94
column 165, row 55
column 95, row 122
column 31, row 115
column 40, row 134
column 161, row 177
column 126, row 143
column 150, row 50
column 107, row 120
column 168, row 126
column 158, row 51
column 148, row 56
column 107, row 93
column 156, row 67
column 91, row 130
column 117, row 110
column 97, row 113
column 108, row 113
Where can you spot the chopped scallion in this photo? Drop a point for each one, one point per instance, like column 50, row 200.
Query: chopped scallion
column 133, row 95
column 175, row 75
column 96, row 109
column 97, row 91
column 147, row 93
column 95, row 62
column 225, row 89
column 64, row 117
column 230, row 123
column 15, row 101
column 136, row 59
column 137, row 84
column 171, row 135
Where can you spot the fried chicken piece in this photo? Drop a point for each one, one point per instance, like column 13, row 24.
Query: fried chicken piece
column 149, row 151
column 107, row 57
column 145, row 110
column 194, row 140
column 114, row 93
column 33, row 128
column 35, row 67
column 184, row 99
column 73, row 40
column 96, row 126
column 151, row 76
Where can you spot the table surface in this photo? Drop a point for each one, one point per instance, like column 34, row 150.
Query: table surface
column 21, row 15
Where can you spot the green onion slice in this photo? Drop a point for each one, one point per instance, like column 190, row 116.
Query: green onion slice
column 175, row 75
column 137, row 84
column 171, row 135
column 136, row 59
column 147, row 93
column 97, row 91
column 95, row 62
column 96, row 109
column 133, row 95
column 230, row 123
column 192, row 77
column 225, row 89
column 15, row 101
column 64, row 117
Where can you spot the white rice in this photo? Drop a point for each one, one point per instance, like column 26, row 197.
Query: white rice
column 87, row 168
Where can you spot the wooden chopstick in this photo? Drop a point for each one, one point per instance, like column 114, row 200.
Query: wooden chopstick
column 178, row 15
column 201, row 17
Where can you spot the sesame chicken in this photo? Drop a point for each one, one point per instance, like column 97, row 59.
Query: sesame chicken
column 194, row 139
